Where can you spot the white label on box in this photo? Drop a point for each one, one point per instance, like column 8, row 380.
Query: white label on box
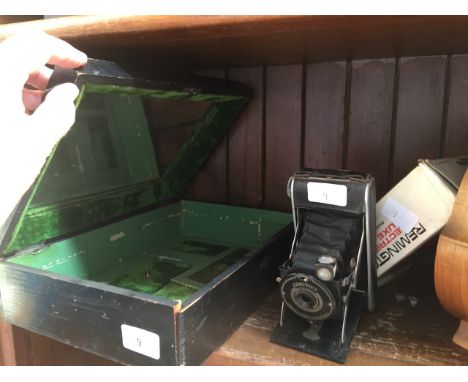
column 327, row 193
column 399, row 214
column 140, row 341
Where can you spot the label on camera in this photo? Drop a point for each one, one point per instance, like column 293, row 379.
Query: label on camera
column 399, row 214
column 327, row 193
column 140, row 341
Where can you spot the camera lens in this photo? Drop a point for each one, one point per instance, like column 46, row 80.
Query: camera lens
column 306, row 300
column 307, row 297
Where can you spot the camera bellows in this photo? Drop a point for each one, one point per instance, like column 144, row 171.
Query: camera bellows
column 328, row 234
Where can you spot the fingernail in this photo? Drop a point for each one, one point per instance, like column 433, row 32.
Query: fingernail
column 82, row 57
column 32, row 100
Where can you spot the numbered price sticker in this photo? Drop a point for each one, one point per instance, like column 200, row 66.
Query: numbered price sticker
column 327, row 193
column 140, row 341
column 400, row 215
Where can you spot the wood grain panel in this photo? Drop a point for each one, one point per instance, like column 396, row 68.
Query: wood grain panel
column 283, row 132
column 214, row 41
column 210, row 184
column 23, row 348
column 15, row 345
column 7, row 346
column 370, row 119
column 451, row 265
column 46, row 351
column 419, row 114
column 396, row 333
column 324, row 115
column 456, row 135
column 246, row 143
column 18, row 19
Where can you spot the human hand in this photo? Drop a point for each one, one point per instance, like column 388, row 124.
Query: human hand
column 30, row 128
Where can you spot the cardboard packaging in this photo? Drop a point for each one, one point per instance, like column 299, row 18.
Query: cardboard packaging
column 416, row 209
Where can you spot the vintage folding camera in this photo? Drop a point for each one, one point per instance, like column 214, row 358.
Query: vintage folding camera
column 331, row 270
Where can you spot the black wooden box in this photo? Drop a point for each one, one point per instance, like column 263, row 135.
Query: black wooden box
column 103, row 255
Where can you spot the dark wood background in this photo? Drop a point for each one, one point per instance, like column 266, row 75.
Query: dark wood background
column 378, row 116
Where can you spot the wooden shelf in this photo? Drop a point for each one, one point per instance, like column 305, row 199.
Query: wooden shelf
column 409, row 327
column 213, row 41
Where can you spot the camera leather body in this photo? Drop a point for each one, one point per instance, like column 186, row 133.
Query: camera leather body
column 330, row 274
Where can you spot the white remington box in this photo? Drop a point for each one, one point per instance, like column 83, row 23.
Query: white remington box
column 416, row 209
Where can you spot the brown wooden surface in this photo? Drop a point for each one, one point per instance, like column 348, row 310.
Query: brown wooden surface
column 7, row 348
column 379, row 116
column 451, row 266
column 283, row 121
column 246, row 141
column 214, row 41
column 23, row 348
column 18, row 19
column 370, row 119
column 324, row 116
column 456, row 134
column 211, row 181
column 409, row 327
column 419, row 117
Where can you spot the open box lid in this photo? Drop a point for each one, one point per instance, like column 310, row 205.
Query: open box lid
column 136, row 142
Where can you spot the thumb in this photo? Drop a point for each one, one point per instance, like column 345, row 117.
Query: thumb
column 53, row 118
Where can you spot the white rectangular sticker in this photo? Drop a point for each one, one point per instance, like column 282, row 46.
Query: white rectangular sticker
column 399, row 214
column 327, row 193
column 140, row 341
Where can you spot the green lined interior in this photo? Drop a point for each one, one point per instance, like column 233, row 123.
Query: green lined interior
column 128, row 149
column 131, row 148
column 170, row 252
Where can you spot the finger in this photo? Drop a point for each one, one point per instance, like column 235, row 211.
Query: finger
column 32, row 99
column 40, row 78
column 52, row 119
column 43, row 48
column 28, row 51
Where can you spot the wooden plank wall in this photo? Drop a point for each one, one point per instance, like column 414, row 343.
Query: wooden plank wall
column 378, row 116
column 19, row 347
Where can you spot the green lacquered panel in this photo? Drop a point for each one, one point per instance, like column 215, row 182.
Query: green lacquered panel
column 107, row 165
column 150, row 280
column 109, row 147
column 159, row 93
column 170, row 252
column 117, row 245
column 200, row 248
column 207, row 274
column 245, row 226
